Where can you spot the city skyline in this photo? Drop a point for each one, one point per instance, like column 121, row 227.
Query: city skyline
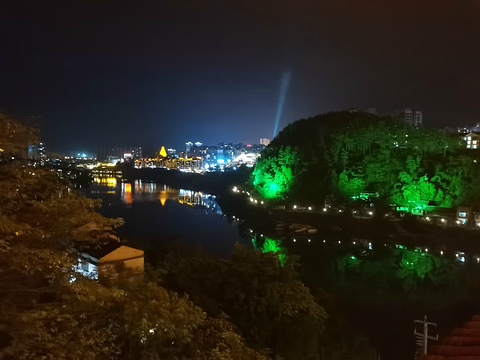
column 169, row 72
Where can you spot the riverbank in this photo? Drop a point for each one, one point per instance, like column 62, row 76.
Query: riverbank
column 411, row 232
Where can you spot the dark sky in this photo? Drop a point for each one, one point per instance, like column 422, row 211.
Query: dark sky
column 152, row 73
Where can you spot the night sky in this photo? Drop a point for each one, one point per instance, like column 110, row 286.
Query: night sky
column 152, row 73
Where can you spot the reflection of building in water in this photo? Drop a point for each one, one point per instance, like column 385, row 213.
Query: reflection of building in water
column 107, row 181
column 106, row 171
column 148, row 191
column 200, row 199
column 127, row 196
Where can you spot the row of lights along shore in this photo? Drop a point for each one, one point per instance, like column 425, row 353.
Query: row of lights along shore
column 326, row 209
column 460, row 255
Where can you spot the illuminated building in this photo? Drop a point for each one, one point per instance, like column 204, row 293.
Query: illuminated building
column 199, row 157
column 472, row 140
column 37, row 153
column 264, row 141
column 188, row 146
column 186, row 165
column 247, row 159
column 172, row 153
column 107, row 259
column 198, row 150
column 163, row 152
column 464, row 214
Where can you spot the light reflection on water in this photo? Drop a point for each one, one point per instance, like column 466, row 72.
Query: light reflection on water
column 156, row 214
column 148, row 191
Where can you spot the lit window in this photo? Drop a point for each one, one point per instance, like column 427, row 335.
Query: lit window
column 462, row 214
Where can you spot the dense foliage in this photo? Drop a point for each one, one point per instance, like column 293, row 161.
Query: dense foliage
column 275, row 171
column 271, row 308
column 51, row 312
column 349, row 153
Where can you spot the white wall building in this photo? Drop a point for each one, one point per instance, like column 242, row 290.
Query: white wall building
column 264, row 141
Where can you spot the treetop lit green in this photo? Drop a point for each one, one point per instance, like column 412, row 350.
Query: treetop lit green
column 348, row 153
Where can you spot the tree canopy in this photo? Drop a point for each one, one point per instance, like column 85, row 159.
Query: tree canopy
column 348, row 153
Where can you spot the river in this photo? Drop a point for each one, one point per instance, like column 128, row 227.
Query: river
column 380, row 289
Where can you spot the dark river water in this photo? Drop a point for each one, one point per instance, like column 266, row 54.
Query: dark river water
column 379, row 289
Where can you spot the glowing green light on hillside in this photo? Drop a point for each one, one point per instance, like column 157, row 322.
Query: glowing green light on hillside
column 350, row 184
column 273, row 176
column 415, row 168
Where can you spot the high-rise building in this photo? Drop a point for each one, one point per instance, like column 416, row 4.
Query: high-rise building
column 188, row 146
column 136, row 152
column 37, row 153
column 264, row 141
column 172, row 153
column 418, row 118
column 408, row 117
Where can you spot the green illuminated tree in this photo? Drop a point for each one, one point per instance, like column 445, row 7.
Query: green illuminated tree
column 350, row 184
column 274, row 174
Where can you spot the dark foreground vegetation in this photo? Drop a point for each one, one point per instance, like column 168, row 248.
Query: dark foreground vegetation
column 248, row 306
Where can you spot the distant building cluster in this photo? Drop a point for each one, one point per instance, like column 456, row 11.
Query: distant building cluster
column 470, row 134
column 198, row 157
column 115, row 154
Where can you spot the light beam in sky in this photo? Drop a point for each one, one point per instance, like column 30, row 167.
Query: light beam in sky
column 284, row 84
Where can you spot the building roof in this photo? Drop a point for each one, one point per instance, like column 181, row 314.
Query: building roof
column 113, row 251
column 122, row 253
column 462, row 344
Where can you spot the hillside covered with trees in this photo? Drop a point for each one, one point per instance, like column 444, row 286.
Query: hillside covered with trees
column 349, row 153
